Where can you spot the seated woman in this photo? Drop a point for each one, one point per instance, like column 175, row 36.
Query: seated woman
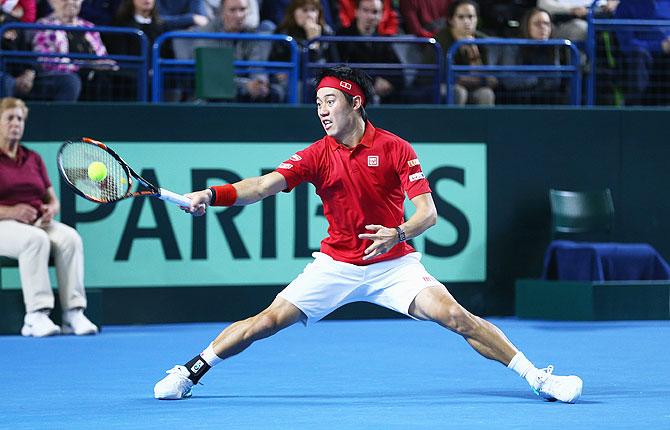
column 462, row 19
column 142, row 15
column 304, row 21
column 95, row 82
column 29, row 233
column 536, row 25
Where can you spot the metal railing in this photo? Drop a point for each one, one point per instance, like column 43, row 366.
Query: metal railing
column 571, row 71
column 161, row 66
column 436, row 68
column 136, row 62
column 595, row 24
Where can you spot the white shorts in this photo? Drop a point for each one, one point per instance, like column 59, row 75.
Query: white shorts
column 326, row 284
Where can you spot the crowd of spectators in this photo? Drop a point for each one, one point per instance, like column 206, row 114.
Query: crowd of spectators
column 642, row 55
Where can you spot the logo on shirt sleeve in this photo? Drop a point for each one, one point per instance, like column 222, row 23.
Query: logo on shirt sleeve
column 416, row 176
column 373, row 160
column 296, row 157
column 412, row 163
column 285, row 166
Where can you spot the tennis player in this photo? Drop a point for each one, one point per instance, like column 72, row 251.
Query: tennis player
column 362, row 174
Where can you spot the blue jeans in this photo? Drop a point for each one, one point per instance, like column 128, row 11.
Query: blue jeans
column 56, row 86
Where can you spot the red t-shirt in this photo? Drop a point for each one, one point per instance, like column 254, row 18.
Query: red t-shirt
column 366, row 185
column 24, row 179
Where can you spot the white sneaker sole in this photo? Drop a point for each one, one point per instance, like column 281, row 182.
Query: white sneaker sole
column 171, row 396
column 27, row 331
column 66, row 329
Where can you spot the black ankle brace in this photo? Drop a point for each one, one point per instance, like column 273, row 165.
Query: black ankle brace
column 197, row 368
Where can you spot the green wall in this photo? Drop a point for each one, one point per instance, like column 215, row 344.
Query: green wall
column 522, row 153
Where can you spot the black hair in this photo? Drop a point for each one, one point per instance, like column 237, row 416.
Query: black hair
column 451, row 10
column 358, row 76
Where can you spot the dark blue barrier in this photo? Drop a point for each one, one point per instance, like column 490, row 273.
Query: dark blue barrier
column 596, row 24
column 161, row 66
column 136, row 62
column 572, row 71
column 435, row 68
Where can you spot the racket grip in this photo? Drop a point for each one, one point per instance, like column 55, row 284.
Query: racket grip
column 175, row 198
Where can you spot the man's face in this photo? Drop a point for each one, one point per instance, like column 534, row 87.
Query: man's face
column 368, row 15
column 233, row 13
column 336, row 115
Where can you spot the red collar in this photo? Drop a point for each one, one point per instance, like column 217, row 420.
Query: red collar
column 366, row 140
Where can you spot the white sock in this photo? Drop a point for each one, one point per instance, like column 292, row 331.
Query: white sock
column 523, row 367
column 210, row 356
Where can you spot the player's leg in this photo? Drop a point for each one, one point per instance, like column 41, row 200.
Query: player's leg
column 231, row 341
column 239, row 336
column 68, row 250
column 30, row 245
column 438, row 305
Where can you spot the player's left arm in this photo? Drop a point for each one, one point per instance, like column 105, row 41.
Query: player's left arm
column 386, row 237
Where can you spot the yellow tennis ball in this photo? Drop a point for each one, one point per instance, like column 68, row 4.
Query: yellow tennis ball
column 97, row 171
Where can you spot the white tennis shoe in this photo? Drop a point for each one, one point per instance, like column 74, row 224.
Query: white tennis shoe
column 38, row 324
column 75, row 322
column 552, row 387
column 175, row 386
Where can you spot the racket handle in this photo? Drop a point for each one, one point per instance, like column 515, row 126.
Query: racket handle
column 175, row 198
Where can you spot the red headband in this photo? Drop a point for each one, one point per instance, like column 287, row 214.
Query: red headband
column 349, row 87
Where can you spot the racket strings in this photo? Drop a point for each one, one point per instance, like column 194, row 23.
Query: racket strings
column 76, row 158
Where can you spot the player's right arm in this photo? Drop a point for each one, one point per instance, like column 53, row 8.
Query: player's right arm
column 248, row 191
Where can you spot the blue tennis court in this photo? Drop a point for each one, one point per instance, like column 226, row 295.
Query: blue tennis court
column 373, row 374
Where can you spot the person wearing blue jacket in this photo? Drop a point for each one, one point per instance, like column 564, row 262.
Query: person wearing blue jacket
column 182, row 14
column 646, row 53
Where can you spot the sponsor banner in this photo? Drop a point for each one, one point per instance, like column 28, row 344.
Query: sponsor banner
column 147, row 242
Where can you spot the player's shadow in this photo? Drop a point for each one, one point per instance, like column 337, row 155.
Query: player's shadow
column 514, row 394
column 442, row 396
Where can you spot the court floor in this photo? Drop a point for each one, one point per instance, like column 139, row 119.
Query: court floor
column 374, row 374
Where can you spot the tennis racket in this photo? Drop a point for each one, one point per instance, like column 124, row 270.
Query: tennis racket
column 75, row 159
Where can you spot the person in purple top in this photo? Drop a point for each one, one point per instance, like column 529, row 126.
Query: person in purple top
column 646, row 52
column 29, row 233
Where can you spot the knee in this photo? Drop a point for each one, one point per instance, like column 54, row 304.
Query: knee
column 38, row 240
column 459, row 320
column 66, row 239
column 263, row 325
column 460, row 95
column 484, row 96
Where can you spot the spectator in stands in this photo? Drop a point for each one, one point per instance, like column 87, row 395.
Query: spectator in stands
column 304, row 21
column 29, row 233
column 18, row 10
column 253, row 15
column 463, row 16
column 276, row 11
column 570, row 15
column 368, row 16
column 388, row 24
column 231, row 19
column 536, row 25
column 182, row 14
column 99, row 12
column 95, row 80
column 142, row 15
column 646, row 52
column 19, row 79
column 424, row 18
